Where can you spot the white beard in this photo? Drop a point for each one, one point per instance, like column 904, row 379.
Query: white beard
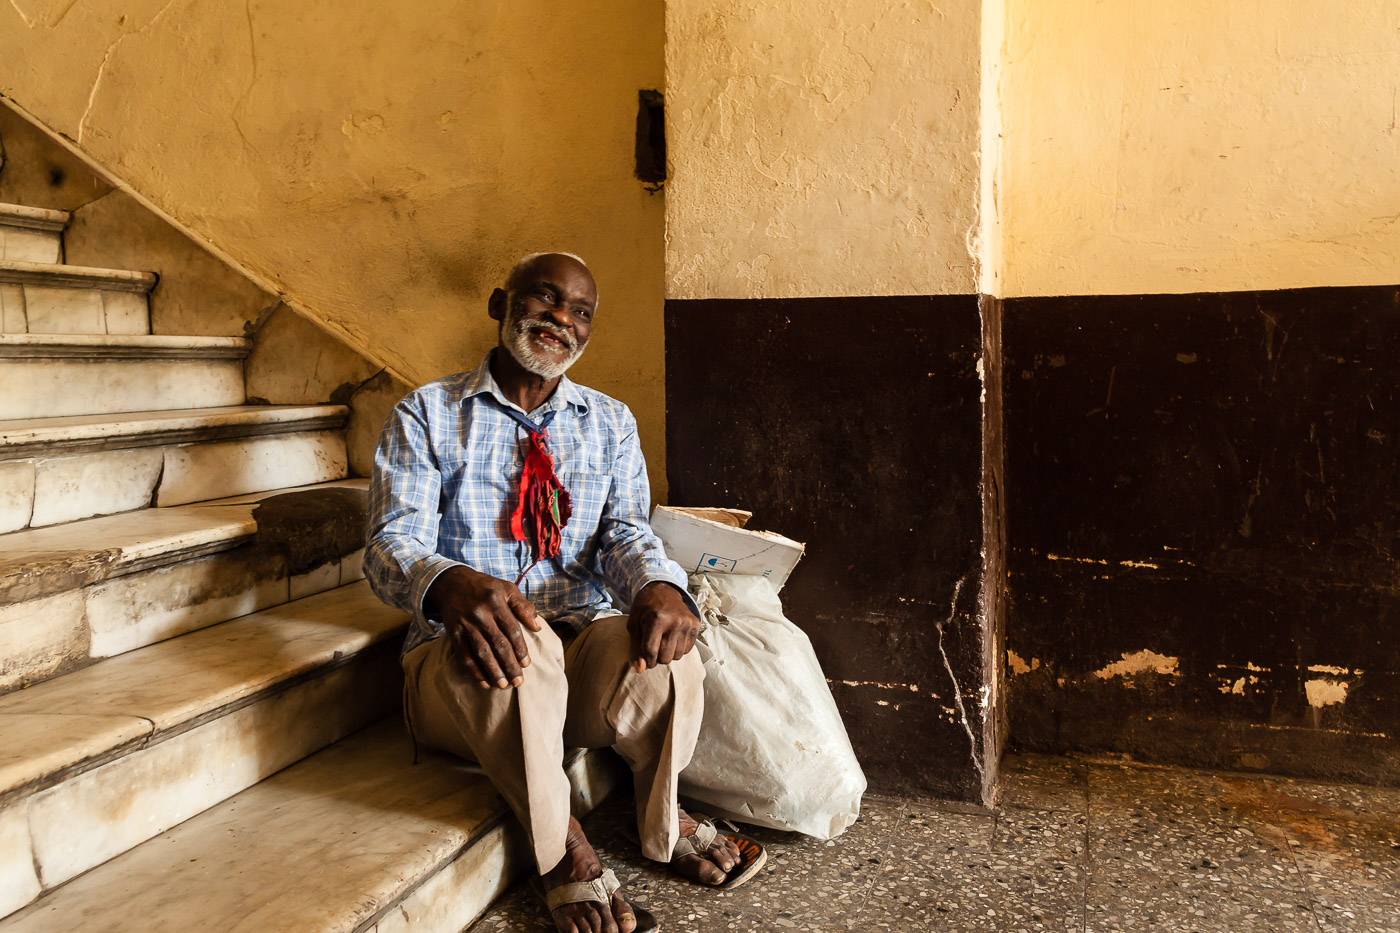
column 515, row 337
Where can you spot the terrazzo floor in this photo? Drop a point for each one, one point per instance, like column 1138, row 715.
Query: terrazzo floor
column 1075, row 845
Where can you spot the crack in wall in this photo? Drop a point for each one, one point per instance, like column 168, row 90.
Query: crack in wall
column 53, row 21
column 22, row 15
column 234, row 116
column 106, row 60
column 976, row 749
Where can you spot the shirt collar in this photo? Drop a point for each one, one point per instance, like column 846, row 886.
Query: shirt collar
column 480, row 382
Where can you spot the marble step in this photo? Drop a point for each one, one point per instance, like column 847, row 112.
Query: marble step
column 76, row 593
column 51, row 298
column 51, row 376
column 31, row 234
column 355, row 839
column 55, row 470
column 99, row 760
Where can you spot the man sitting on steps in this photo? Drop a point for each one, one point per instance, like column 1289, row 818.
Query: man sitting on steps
column 504, row 500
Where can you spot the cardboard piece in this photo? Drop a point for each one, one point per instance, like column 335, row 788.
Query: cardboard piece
column 712, row 541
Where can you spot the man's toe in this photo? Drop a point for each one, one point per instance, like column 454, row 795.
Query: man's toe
column 702, row 869
column 622, row 913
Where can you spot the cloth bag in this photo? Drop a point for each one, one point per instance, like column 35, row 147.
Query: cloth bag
column 772, row 749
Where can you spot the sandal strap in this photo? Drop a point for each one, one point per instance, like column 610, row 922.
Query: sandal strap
column 600, row 889
column 697, row 844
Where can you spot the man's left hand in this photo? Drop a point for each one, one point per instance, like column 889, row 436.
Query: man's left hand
column 662, row 627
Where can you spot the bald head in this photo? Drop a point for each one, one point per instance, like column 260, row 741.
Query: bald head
column 526, row 265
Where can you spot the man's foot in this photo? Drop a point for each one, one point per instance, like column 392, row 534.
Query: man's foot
column 715, row 864
column 580, row 863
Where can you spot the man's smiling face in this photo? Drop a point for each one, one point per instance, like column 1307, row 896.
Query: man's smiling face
column 546, row 314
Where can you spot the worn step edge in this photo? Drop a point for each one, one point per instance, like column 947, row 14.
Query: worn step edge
column 94, row 815
column 459, row 890
column 39, row 562
column 38, row 437
column 112, row 346
column 395, row 846
column 33, row 218
column 58, row 275
column 121, row 708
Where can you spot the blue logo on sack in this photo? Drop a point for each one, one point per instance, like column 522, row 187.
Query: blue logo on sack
column 711, row 563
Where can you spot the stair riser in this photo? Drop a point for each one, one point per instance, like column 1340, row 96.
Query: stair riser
column 36, row 309
column 43, row 387
column 19, row 244
column 48, row 491
column 45, row 637
column 101, row 813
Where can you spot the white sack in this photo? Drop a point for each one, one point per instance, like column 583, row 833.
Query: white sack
column 772, row 750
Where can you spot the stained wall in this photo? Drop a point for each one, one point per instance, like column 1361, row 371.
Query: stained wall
column 1199, row 213
column 377, row 167
column 825, row 350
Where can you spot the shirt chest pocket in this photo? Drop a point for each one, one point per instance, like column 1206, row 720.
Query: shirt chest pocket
column 588, row 494
column 479, row 487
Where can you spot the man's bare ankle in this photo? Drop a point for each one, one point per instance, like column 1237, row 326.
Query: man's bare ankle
column 580, row 861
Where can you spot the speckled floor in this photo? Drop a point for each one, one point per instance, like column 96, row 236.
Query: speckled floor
column 1076, row 845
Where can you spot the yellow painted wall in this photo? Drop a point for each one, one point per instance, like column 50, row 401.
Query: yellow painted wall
column 381, row 165
column 821, row 149
column 1198, row 145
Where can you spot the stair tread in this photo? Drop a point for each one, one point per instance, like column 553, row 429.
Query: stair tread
column 38, row 561
column 38, row 218
column 328, row 844
column 61, row 275
column 84, row 716
column 91, row 427
column 124, row 341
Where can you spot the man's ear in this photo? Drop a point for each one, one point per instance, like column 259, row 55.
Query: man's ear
column 496, row 305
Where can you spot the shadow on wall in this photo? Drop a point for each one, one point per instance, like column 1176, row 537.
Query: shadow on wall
column 293, row 361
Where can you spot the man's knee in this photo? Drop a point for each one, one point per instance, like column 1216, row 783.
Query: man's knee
column 544, row 645
column 443, row 666
column 681, row 679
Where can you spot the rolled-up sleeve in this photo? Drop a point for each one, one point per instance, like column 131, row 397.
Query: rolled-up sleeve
column 630, row 555
column 401, row 559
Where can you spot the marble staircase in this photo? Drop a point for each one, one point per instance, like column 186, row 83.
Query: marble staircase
column 198, row 693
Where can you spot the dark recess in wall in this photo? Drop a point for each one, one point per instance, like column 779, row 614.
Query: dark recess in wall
column 1210, row 478
column 854, row 424
column 651, row 139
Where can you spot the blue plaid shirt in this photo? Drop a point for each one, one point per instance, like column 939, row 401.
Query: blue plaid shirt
column 445, row 483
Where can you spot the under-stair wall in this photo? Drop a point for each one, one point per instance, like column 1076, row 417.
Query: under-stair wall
column 190, row 292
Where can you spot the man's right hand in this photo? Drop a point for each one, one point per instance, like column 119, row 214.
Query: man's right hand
column 483, row 616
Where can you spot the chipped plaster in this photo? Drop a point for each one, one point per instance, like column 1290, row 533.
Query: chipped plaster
column 1324, row 691
column 1139, row 662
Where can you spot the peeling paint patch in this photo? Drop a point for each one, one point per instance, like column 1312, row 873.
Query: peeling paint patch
column 1237, row 688
column 1331, row 669
column 912, row 688
column 1139, row 663
column 1323, row 692
column 1107, row 563
column 1018, row 664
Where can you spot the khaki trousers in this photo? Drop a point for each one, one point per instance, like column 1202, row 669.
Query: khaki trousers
column 584, row 696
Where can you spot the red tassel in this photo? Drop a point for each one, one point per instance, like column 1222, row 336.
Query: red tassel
column 544, row 507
